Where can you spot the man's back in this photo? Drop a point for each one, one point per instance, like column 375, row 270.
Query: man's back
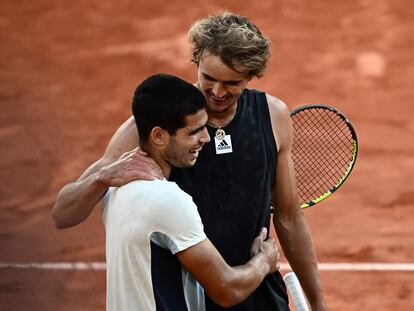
column 134, row 215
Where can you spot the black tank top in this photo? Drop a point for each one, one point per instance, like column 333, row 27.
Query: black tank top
column 232, row 192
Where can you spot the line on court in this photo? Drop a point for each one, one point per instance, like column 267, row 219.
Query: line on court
column 354, row 266
column 359, row 266
column 56, row 265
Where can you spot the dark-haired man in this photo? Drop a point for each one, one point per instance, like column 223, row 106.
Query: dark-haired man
column 143, row 215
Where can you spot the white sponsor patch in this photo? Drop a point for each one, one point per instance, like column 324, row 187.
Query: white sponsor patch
column 223, row 145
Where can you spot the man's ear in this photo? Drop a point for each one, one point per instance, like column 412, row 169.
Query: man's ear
column 159, row 136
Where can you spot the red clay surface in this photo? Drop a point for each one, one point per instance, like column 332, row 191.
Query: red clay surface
column 67, row 72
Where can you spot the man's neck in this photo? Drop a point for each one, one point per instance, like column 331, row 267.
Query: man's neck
column 221, row 118
column 165, row 166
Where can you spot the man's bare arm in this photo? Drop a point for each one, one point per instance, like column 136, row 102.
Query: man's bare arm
column 120, row 164
column 227, row 285
column 289, row 220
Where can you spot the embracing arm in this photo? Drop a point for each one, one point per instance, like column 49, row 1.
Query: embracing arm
column 289, row 220
column 227, row 285
column 76, row 200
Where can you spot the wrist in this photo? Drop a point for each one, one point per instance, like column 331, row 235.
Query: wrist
column 261, row 263
column 100, row 178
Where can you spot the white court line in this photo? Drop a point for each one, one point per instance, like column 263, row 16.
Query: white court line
column 355, row 266
column 55, row 265
column 359, row 266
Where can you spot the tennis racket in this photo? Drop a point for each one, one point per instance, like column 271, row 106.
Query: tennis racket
column 295, row 291
column 324, row 151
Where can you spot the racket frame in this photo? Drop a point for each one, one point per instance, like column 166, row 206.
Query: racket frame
column 354, row 153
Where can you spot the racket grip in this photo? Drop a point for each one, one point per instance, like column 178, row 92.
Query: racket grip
column 296, row 292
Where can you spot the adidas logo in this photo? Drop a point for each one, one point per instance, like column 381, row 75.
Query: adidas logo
column 223, row 145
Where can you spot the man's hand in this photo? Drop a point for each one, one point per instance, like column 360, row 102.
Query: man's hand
column 132, row 165
column 268, row 248
column 271, row 251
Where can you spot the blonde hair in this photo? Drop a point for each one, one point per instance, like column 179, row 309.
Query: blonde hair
column 233, row 38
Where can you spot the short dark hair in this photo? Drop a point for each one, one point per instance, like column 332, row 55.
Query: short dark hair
column 164, row 100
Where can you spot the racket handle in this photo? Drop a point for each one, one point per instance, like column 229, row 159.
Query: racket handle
column 296, row 292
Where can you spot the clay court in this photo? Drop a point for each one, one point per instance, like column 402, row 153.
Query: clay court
column 67, row 73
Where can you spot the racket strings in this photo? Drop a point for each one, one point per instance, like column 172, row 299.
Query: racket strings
column 322, row 151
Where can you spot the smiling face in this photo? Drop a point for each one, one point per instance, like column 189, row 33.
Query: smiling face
column 220, row 84
column 183, row 147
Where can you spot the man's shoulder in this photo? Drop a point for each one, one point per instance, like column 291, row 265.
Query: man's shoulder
column 276, row 104
column 281, row 121
column 150, row 188
column 160, row 193
column 279, row 111
column 156, row 200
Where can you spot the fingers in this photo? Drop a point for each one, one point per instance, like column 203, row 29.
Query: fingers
column 142, row 158
column 140, row 151
column 277, row 266
column 129, row 153
column 255, row 248
column 132, row 165
column 137, row 151
column 263, row 233
column 270, row 248
column 139, row 164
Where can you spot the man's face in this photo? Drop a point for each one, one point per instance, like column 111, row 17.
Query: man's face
column 184, row 146
column 220, row 84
